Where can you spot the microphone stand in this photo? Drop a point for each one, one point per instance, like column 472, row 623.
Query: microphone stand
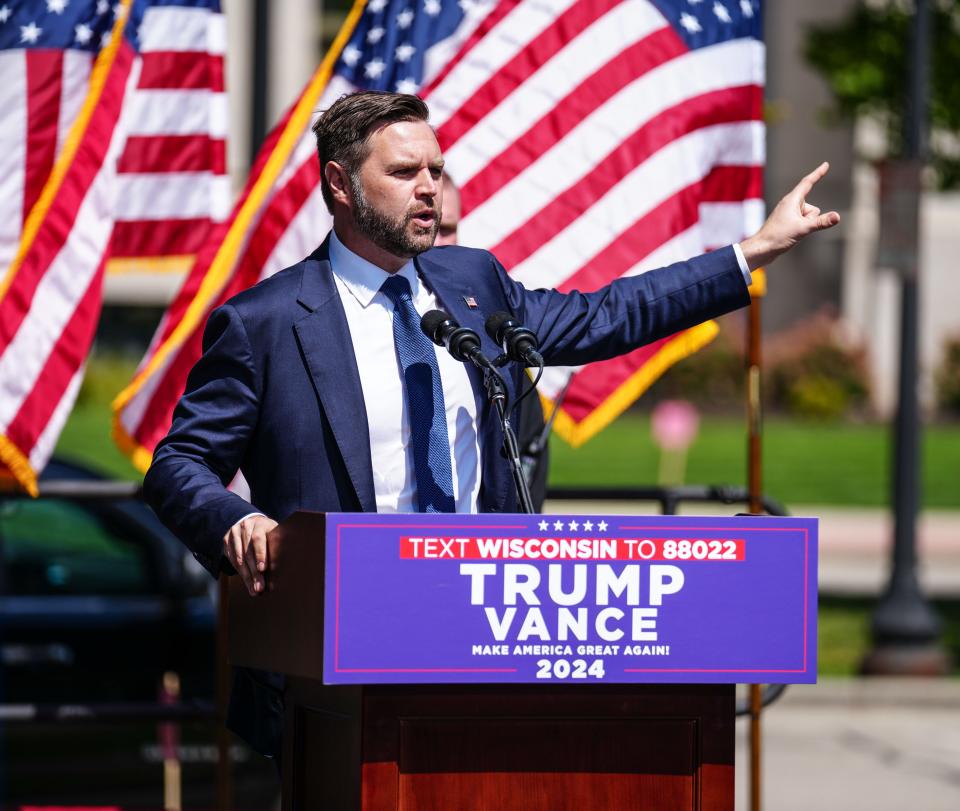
column 497, row 394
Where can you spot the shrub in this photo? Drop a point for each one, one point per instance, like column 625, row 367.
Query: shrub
column 814, row 370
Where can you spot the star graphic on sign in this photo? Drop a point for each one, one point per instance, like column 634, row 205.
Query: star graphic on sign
column 405, row 18
column 102, row 7
column 105, row 39
column 602, row 526
column 5, row 14
column 691, row 23
column 558, row 525
column 351, row 55
column 30, row 33
column 82, row 33
column 543, row 526
column 588, row 526
column 404, row 52
column 746, row 7
column 56, row 6
column 376, row 6
column 408, row 86
column 721, row 11
column 432, row 7
column 694, row 2
column 573, row 525
column 374, row 35
column 119, row 10
column 374, row 68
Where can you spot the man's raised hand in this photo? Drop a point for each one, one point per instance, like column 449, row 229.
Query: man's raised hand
column 791, row 220
column 245, row 546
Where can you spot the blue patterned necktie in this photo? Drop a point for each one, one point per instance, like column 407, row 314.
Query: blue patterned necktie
column 428, row 416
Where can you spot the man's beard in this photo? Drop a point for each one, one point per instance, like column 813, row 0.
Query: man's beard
column 392, row 235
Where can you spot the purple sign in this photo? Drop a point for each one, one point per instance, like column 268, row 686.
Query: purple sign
column 560, row 598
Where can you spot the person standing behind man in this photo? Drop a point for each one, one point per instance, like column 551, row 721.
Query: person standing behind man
column 528, row 415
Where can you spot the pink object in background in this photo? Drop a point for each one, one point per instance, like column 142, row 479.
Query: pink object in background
column 674, row 424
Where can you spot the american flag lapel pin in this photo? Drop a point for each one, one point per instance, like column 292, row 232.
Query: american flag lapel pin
column 471, row 302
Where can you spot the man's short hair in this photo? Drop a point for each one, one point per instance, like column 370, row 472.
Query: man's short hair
column 343, row 131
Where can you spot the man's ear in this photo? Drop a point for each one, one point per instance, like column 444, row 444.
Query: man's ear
column 339, row 181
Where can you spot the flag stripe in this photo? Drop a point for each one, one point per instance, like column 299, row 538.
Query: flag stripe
column 173, row 28
column 173, row 237
column 24, row 282
column 43, row 116
column 531, row 75
column 579, row 152
column 47, row 440
column 680, row 163
column 174, row 153
column 179, row 112
column 182, row 70
column 721, row 107
column 635, row 60
column 65, row 357
column 449, row 53
column 507, row 38
column 663, row 221
column 69, row 255
column 13, row 151
column 174, row 195
column 73, row 91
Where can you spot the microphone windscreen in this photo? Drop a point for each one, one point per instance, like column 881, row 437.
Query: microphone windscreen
column 495, row 323
column 431, row 323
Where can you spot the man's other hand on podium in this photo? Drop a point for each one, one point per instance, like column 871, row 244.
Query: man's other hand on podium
column 245, row 546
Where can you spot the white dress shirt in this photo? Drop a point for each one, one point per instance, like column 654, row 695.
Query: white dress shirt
column 370, row 320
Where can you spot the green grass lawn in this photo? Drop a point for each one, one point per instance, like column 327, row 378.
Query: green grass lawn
column 803, row 462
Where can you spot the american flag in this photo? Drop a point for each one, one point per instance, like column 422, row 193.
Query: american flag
column 92, row 93
column 591, row 139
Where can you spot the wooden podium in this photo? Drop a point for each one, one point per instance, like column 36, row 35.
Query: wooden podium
column 470, row 747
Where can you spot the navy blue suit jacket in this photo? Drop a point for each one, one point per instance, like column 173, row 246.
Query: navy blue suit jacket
column 277, row 393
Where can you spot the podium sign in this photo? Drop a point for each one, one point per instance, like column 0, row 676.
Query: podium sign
column 569, row 599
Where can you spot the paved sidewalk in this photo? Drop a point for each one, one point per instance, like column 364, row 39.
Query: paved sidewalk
column 879, row 744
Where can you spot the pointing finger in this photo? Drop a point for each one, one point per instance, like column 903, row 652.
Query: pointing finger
column 807, row 183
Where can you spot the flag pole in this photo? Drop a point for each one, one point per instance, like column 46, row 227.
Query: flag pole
column 755, row 490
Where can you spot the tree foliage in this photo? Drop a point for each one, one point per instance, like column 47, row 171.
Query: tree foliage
column 864, row 59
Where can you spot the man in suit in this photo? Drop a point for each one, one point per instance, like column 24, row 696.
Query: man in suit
column 319, row 387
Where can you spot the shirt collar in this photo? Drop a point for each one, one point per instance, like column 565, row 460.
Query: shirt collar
column 362, row 278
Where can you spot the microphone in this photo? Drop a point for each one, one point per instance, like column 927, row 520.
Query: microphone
column 461, row 342
column 518, row 343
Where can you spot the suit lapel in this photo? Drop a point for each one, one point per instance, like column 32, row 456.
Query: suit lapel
column 328, row 351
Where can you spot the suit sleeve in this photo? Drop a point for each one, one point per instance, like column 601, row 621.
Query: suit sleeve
column 187, row 482
column 576, row 328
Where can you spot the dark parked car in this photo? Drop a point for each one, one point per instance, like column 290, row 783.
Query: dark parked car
column 97, row 602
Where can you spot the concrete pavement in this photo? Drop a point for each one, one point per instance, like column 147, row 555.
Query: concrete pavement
column 878, row 744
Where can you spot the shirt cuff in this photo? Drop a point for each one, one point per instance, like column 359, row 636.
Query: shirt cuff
column 742, row 261
column 248, row 515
